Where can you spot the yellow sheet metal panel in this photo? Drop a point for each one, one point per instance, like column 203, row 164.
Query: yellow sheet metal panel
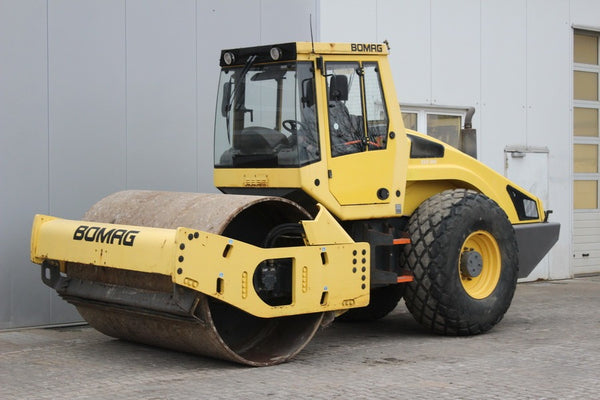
column 341, row 48
column 107, row 245
column 325, row 278
column 38, row 221
column 257, row 177
column 356, row 179
column 427, row 176
column 324, row 229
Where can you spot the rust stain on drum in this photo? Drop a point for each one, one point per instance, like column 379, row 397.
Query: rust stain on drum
column 216, row 329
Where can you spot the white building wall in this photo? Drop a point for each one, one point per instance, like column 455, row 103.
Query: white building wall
column 98, row 96
column 549, row 96
column 511, row 60
column 503, row 109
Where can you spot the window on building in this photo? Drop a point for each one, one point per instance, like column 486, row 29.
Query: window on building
column 410, row 120
column 441, row 123
column 586, row 114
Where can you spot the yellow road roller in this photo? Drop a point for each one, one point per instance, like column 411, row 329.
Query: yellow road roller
column 329, row 208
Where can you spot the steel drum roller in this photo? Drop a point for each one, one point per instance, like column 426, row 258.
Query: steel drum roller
column 216, row 329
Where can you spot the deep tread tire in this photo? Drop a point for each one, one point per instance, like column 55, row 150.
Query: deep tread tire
column 438, row 229
column 383, row 301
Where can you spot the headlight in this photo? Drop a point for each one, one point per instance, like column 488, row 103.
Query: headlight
column 275, row 53
column 228, row 58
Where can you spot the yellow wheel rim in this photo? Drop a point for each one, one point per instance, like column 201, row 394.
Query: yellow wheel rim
column 482, row 285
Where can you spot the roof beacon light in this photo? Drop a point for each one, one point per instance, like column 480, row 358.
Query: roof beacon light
column 275, row 53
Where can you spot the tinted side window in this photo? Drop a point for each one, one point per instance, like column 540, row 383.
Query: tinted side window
column 377, row 117
column 346, row 122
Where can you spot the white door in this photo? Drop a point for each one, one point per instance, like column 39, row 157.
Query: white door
column 528, row 168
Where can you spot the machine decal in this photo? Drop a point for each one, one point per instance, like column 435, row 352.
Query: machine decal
column 367, row 47
column 100, row 234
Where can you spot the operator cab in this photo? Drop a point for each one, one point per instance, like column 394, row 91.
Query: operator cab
column 297, row 117
column 268, row 115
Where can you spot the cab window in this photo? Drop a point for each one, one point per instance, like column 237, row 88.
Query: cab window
column 358, row 119
column 377, row 117
column 346, row 127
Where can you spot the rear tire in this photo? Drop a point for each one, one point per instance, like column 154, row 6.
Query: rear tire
column 383, row 300
column 449, row 227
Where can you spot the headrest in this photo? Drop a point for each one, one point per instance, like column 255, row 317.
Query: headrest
column 338, row 88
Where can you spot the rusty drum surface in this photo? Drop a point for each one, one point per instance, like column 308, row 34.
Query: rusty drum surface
column 215, row 329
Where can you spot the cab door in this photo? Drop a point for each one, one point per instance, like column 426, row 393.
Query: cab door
column 360, row 162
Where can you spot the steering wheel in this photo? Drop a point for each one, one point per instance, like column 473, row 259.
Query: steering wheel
column 291, row 125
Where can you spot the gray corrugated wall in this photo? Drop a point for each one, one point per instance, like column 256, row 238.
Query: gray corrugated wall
column 102, row 95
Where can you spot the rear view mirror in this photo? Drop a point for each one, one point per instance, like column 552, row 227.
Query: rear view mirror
column 308, row 93
column 226, row 101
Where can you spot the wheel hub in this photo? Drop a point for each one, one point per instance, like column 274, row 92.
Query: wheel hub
column 480, row 264
column 471, row 263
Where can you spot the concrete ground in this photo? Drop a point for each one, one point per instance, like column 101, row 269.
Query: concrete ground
column 547, row 347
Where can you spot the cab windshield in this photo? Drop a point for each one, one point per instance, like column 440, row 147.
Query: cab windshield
column 266, row 116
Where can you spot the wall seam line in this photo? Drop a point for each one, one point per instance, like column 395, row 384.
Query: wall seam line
column 196, row 89
column 126, row 98
column 49, row 297
column 430, row 52
column 527, row 108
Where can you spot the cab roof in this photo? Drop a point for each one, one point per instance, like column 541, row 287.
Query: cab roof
column 290, row 51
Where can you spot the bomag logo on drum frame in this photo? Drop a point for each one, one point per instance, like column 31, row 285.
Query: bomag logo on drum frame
column 99, row 234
